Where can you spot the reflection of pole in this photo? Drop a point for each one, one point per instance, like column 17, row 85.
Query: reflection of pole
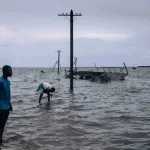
column 71, row 44
column 60, row 67
column 58, row 60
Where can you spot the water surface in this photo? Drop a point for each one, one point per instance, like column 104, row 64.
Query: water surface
column 113, row 116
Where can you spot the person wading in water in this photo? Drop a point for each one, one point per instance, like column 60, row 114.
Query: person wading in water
column 47, row 88
column 5, row 99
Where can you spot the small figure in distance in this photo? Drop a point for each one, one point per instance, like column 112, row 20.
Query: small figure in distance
column 47, row 88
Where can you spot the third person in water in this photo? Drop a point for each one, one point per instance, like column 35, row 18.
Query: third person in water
column 47, row 88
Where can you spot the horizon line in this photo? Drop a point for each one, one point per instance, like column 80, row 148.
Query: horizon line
column 77, row 67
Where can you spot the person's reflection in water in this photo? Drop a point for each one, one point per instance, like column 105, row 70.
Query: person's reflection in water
column 45, row 106
column 48, row 106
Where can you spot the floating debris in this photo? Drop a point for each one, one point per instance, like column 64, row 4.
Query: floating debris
column 102, row 74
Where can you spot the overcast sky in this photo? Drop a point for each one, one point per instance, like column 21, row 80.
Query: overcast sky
column 109, row 32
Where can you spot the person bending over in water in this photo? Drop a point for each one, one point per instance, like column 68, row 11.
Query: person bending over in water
column 47, row 88
column 5, row 99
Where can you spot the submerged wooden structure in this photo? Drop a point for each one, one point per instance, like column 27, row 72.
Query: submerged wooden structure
column 100, row 74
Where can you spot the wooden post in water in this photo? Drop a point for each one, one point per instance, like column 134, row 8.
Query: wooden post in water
column 71, row 44
column 58, row 60
column 71, row 50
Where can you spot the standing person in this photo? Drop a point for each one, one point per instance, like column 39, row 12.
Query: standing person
column 45, row 87
column 5, row 98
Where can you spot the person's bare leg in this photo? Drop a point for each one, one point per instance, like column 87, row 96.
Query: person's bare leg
column 40, row 97
column 3, row 119
column 48, row 94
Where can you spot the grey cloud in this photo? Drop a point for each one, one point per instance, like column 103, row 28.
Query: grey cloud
column 21, row 21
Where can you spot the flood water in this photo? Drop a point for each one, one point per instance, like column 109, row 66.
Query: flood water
column 113, row 116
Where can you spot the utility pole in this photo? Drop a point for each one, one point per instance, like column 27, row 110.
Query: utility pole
column 58, row 59
column 71, row 43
